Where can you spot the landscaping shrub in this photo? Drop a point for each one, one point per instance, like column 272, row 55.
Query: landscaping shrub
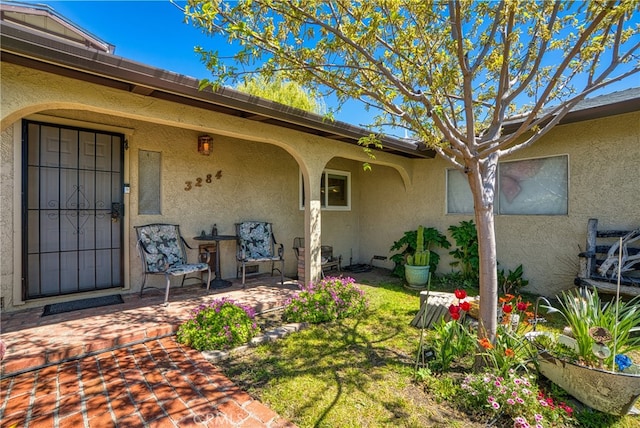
column 466, row 252
column 222, row 324
column 513, row 396
column 327, row 300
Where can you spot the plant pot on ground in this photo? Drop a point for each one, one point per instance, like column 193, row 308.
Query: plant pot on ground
column 416, row 267
column 594, row 364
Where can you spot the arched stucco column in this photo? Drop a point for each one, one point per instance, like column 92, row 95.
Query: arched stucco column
column 311, row 176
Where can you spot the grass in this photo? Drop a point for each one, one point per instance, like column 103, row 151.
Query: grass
column 360, row 373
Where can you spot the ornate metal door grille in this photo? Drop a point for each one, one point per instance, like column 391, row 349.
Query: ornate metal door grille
column 72, row 199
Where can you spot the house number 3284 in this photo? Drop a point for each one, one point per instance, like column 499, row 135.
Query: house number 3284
column 198, row 183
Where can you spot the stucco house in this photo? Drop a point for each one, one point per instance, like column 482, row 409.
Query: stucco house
column 93, row 144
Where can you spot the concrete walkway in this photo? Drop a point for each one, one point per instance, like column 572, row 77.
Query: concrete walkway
column 119, row 366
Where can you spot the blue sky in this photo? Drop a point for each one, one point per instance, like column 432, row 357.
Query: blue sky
column 153, row 32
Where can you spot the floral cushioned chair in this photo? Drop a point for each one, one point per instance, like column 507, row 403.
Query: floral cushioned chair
column 162, row 250
column 256, row 243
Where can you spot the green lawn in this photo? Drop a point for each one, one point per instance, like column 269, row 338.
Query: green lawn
column 358, row 372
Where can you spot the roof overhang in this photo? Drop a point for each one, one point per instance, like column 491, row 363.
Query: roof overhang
column 612, row 104
column 31, row 49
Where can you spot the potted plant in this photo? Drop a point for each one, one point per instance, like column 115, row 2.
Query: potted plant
column 590, row 360
column 416, row 269
column 408, row 245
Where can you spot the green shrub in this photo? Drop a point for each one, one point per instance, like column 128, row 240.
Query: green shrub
column 222, row 324
column 327, row 300
column 512, row 281
column 466, row 253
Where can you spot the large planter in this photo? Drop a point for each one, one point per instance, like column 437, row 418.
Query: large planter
column 417, row 276
column 609, row 392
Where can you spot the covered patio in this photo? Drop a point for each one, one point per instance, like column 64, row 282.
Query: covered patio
column 34, row 341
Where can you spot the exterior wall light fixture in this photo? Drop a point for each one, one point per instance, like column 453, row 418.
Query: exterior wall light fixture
column 205, row 144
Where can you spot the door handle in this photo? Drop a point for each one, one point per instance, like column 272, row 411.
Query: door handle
column 116, row 211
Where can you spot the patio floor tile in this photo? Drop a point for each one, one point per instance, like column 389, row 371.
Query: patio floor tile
column 119, row 366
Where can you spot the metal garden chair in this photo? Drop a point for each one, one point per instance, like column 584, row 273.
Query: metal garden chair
column 162, row 250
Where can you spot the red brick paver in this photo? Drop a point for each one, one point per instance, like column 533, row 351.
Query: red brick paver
column 123, row 368
column 71, row 397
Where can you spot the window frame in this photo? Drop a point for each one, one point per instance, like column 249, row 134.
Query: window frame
column 324, row 204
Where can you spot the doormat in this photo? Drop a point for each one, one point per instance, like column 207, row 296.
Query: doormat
column 76, row 305
column 358, row 268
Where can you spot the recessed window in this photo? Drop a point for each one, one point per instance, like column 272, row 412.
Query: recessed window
column 335, row 190
column 525, row 187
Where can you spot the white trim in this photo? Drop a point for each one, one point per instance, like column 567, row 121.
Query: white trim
column 324, row 204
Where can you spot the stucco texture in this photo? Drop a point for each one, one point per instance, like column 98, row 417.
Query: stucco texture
column 260, row 168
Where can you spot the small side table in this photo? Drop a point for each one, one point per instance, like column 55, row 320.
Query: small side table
column 217, row 282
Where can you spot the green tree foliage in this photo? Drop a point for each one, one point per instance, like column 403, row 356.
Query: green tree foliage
column 450, row 72
column 283, row 92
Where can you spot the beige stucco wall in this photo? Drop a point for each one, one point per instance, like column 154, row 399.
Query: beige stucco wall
column 260, row 166
column 604, row 183
column 261, row 163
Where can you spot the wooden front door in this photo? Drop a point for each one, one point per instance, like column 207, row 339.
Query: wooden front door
column 72, row 210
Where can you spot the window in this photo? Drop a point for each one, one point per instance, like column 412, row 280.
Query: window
column 525, row 187
column 335, row 190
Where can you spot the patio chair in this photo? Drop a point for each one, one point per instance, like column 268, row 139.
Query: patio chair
column 326, row 253
column 162, row 250
column 256, row 244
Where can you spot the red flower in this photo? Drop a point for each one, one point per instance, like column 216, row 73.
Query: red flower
column 522, row 306
column 455, row 315
column 465, row 306
column 460, row 294
column 454, row 309
column 507, row 309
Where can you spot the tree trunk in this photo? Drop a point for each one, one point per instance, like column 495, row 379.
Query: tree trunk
column 482, row 180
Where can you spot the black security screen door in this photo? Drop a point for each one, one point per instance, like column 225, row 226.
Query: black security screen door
column 72, row 199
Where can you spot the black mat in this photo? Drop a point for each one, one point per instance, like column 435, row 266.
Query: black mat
column 76, row 305
column 358, row 268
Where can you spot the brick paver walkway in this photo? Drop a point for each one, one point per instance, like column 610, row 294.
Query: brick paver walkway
column 156, row 384
column 120, row 366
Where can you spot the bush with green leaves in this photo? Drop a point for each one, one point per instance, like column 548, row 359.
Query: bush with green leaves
column 329, row 299
column 222, row 324
column 466, row 254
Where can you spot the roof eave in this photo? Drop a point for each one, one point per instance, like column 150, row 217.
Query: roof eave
column 29, row 48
